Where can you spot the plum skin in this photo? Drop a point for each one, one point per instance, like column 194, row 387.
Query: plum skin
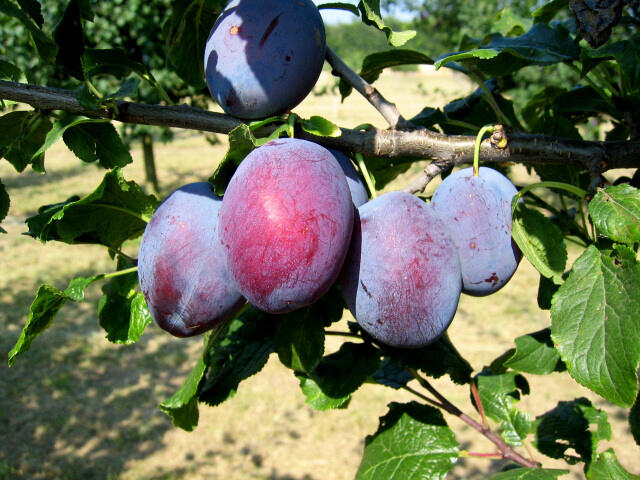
column 181, row 266
column 477, row 212
column 401, row 279
column 285, row 224
column 356, row 187
column 263, row 57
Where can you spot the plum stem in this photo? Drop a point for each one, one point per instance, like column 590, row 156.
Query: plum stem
column 366, row 175
column 505, row 450
column 556, row 185
column 387, row 109
column 476, row 150
column 120, row 272
column 342, row 334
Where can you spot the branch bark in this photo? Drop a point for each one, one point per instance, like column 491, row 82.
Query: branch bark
column 445, row 150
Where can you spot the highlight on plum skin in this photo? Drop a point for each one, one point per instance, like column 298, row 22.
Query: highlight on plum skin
column 285, row 224
column 401, row 279
column 477, row 212
column 263, row 57
column 358, row 191
column 181, row 266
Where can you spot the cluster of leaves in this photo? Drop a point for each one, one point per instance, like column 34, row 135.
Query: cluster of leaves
column 593, row 335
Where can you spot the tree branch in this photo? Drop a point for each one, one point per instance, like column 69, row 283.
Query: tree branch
column 387, row 109
column 445, row 150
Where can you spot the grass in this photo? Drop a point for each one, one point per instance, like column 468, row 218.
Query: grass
column 76, row 406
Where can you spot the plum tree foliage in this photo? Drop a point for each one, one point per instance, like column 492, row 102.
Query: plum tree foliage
column 402, row 275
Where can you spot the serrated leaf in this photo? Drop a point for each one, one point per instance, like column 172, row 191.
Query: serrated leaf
column 529, row 474
column 320, row 127
column 235, row 356
column 625, row 53
column 340, row 6
column 45, row 46
column 299, row 340
column 113, row 61
column 546, row 290
column 634, row 420
column 370, row 12
column 319, row 400
column 548, row 11
column 87, row 98
column 540, row 241
column 128, row 88
column 186, row 31
column 241, row 143
column 9, row 71
column 69, row 35
column 114, row 212
column 595, row 323
column 48, row 302
column 21, row 135
column 499, row 394
column 607, row 467
column 123, row 312
column 535, row 354
column 412, row 441
column 182, row 407
column 615, row 211
column 60, row 126
column 498, row 56
column 390, row 374
column 566, row 429
column 97, row 141
column 4, row 204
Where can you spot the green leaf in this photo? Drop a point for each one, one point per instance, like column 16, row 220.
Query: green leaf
column 241, row 143
column 535, row 354
column 33, row 9
column 566, row 429
column 60, row 126
column 128, row 88
column 540, row 241
column 113, row 61
column 317, row 399
column 340, row 6
column 237, row 355
column 615, row 211
column 182, row 407
column 434, row 360
column 498, row 56
column 49, row 300
column 9, row 71
column 320, row 127
column 370, row 11
column 412, row 441
column 548, row 11
column 69, row 35
column 529, row 474
column 607, row 467
column 626, row 53
column 114, row 212
column 390, row 374
column 595, row 323
column 299, row 339
column 4, row 204
column 375, row 63
column 510, row 24
column 45, row 46
column 546, row 291
column 122, row 311
column 21, row 135
column 634, row 420
column 186, row 32
column 97, row 141
column 499, row 394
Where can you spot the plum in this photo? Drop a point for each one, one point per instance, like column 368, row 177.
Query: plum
column 477, row 212
column 285, row 224
column 356, row 187
column 401, row 279
column 263, row 57
column 181, row 265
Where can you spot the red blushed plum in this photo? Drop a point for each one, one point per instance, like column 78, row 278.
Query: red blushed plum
column 181, row 266
column 285, row 224
column 401, row 279
column 263, row 57
column 356, row 187
column 477, row 212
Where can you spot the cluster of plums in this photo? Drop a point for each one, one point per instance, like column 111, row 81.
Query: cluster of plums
column 295, row 218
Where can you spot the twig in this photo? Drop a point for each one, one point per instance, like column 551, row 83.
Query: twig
column 446, row 150
column 506, row 451
column 387, row 109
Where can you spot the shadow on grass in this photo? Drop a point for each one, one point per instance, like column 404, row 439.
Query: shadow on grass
column 75, row 406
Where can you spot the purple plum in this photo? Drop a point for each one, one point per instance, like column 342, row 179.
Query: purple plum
column 356, row 187
column 401, row 279
column 181, row 265
column 263, row 57
column 285, row 224
column 477, row 212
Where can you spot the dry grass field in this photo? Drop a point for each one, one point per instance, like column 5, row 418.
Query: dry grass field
column 77, row 407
